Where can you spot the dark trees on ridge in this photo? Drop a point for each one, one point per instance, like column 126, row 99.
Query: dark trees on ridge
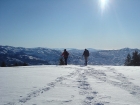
column 128, row 60
column 3, row 64
column 134, row 60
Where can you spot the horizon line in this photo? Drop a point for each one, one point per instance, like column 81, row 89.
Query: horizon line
column 68, row 48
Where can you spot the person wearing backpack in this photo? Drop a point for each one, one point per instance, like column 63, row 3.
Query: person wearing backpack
column 86, row 55
column 65, row 54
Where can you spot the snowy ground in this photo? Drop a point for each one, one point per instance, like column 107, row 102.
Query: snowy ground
column 70, row 85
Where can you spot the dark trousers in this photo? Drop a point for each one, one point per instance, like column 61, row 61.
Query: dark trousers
column 65, row 60
column 86, row 58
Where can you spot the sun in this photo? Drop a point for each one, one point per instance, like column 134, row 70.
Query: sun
column 103, row 4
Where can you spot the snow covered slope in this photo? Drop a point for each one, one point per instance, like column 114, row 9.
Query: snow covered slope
column 70, row 85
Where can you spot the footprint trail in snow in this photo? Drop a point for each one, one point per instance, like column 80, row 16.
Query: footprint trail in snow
column 80, row 88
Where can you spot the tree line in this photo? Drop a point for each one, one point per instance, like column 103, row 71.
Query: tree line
column 133, row 60
column 3, row 64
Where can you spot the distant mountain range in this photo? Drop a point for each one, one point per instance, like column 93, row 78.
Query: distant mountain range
column 46, row 56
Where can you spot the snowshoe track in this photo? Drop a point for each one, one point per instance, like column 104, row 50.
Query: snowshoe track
column 124, row 81
column 80, row 78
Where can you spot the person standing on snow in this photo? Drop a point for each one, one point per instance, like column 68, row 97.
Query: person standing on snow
column 65, row 54
column 86, row 55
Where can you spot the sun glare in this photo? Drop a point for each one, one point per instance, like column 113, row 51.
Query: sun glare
column 103, row 4
column 103, row 1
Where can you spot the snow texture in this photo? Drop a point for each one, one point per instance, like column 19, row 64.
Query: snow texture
column 70, row 85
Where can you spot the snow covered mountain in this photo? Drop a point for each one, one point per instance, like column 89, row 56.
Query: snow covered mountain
column 39, row 56
column 32, row 56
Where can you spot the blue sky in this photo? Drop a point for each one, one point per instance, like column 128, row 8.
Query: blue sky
column 99, row 24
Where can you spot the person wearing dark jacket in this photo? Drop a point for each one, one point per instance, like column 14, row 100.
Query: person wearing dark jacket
column 65, row 54
column 86, row 55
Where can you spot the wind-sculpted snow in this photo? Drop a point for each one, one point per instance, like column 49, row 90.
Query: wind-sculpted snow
column 72, row 85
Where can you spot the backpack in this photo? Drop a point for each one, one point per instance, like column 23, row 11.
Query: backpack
column 86, row 53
